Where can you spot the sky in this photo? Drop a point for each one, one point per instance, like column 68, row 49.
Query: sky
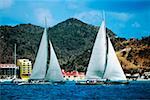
column 126, row 18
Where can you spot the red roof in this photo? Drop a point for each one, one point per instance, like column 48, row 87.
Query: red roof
column 72, row 73
column 7, row 65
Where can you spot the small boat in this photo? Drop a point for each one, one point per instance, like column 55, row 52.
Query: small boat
column 6, row 80
column 104, row 66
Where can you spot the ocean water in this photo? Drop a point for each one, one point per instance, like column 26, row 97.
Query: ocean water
column 70, row 91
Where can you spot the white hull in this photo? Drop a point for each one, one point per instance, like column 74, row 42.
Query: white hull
column 6, row 80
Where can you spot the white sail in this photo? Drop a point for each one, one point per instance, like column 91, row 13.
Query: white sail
column 98, row 57
column 54, row 71
column 103, row 64
column 113, row 70
column 40, row 65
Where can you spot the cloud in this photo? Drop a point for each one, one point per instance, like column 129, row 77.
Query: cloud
column 95, row 16
column 41, row 13
column 74, row 4
column 136, row 25
column 120, row 16
column 5, row 4
column 91, row 17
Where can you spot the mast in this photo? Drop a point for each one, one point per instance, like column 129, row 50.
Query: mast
column 45, row 23
column 15, row 61
column 48, row 50
column 106, row 45
column 15, row 54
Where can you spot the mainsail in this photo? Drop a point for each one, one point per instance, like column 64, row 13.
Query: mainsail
column 40, row 65
column 54, row 72
column 97, row 61
column 103, row 64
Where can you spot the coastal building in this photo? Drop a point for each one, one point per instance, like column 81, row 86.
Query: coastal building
column 73, row 75
column 25, row 67
column 8, row 71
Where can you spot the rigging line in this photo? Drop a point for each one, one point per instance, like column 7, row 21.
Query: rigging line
column 106, row 60
column 48, row 50
column 106, row 54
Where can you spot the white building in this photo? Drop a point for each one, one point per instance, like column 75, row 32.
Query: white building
column 8, row 71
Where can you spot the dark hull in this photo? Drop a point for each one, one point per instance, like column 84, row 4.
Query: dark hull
column 102, row 83
column 59, row 82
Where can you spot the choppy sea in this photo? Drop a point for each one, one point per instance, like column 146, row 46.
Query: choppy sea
column 70, row 91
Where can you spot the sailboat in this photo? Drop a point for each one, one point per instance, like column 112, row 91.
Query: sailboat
column 104, row 66
column 46, row 67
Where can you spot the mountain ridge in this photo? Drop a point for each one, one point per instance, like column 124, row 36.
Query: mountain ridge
column 72, row 40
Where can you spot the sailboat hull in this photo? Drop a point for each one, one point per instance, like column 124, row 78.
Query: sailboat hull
column 97, row 82
column 40, row 82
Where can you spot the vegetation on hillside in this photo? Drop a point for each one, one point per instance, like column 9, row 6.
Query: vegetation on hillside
column 73, row 42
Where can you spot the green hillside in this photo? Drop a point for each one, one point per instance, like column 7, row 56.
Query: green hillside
column 72, row 40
